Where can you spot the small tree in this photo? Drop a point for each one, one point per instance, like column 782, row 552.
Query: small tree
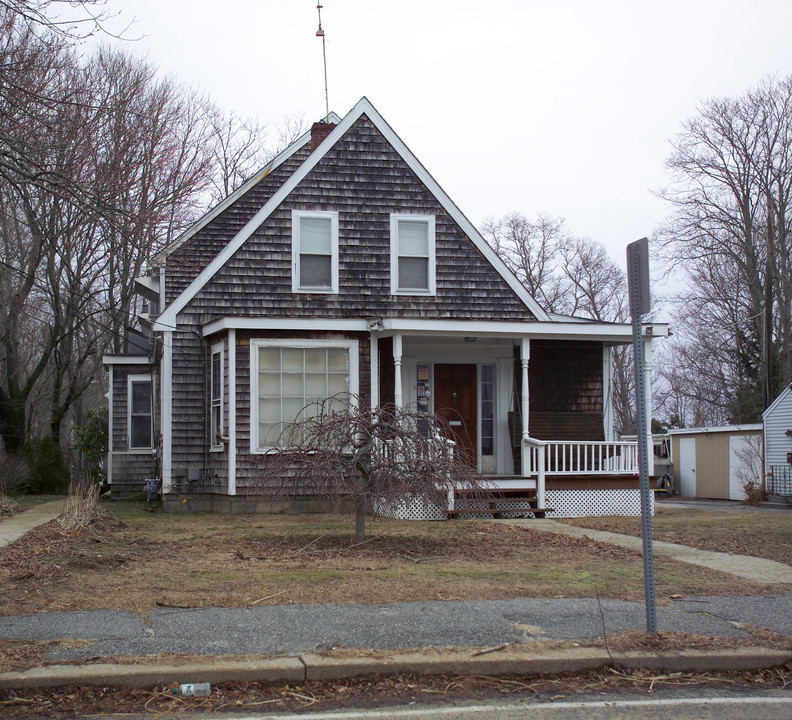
column 351, row 454
column 90, row 439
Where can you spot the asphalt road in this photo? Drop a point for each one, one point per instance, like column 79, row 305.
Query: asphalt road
column 705, row 708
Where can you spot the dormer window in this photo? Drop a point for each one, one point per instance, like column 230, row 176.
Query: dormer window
column 314, row 252
column 412, row 254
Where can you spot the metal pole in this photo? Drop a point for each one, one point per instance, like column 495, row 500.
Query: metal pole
column 639, row 303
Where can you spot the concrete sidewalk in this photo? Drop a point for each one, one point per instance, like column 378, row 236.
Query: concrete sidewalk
column 759, row 570
column 14, row 527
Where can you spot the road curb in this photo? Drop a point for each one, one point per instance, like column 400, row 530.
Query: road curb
column 287, row 669
column 315, row 667
column 329, row 667
column 732, row 660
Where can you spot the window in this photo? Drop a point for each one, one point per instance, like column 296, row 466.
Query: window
column 216, row 398
column 412, row 254
column 487, row 377
column 139, row 397
column 291, row 376
column 315, row 252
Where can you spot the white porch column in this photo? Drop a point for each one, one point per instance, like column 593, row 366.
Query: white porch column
column 232, row 412
column 607, row 392
column 647, row 348
column 398, row 399
column 166, row 381
column 525, row 357
column 375, row 388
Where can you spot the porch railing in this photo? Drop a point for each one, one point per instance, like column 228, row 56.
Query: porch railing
column 540, row 457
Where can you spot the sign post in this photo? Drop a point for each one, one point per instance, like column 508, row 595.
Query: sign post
column 638, row 283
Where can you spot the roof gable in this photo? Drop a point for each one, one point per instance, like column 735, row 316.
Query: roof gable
column 160, row 257
column 780, row 399
column 167, row 319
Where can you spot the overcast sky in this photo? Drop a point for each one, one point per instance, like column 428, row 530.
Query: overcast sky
column 559, row 107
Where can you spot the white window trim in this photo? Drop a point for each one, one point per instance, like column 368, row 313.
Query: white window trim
column 131, row 379
column 297, row 215
column 351, row 346
column 216, row 445
column 395, row 219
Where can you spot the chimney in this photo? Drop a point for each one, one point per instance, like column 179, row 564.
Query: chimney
column 319, row 131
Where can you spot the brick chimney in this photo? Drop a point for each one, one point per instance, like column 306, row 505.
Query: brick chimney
column 319, row 131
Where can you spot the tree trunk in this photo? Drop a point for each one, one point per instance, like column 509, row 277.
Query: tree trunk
column 360, row 518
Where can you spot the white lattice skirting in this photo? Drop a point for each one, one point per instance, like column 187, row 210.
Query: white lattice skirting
column 580, row 503
column 565, row 503
column 410, row 509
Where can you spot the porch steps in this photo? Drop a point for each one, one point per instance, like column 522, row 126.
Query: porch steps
column 511, row 502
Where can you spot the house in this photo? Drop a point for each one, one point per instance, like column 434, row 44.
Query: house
column 716, row 462
column 777, row 428
column 343, row 266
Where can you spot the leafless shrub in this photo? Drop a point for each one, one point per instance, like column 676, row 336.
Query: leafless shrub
column 342, row 451
column 82, row 507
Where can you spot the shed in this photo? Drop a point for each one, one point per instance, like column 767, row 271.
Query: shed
column 716, row 462
column 778, row 444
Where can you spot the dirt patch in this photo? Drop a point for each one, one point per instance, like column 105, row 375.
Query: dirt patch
column 128, row 559
column 764, row 535
column 396, row 691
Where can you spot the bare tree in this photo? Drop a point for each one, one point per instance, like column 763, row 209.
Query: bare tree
column 352, row 455
column 731, row 168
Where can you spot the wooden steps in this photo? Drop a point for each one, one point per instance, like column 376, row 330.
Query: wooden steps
column 498, row 503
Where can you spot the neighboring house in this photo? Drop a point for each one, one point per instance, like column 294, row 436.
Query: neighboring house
column 716, row 462
column 344, row 267
column 778, row 445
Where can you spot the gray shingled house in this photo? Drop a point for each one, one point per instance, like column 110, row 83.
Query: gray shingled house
column 343, row 267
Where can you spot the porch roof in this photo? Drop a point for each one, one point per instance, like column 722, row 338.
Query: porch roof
column 384, row 327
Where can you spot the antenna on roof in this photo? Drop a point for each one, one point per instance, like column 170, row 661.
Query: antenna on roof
column 320, row 33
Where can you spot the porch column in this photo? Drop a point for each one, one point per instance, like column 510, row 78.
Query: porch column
column 525, row 356
column 607, row 392
column 647, row 349
column 375, row 376
column 397, row 379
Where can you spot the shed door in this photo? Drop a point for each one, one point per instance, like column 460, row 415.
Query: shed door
column 687, row 467
column 740, row 450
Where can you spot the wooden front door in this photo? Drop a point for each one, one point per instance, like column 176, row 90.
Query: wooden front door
column 455, row 399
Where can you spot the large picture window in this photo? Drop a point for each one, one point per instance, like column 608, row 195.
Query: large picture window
column 290, row 377
column 412, row 254
column 216, row 397
column 139, row 398
column 315, row 252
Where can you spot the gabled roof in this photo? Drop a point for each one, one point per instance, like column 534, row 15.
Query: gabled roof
column 160, row 257
column 771, row 407
column 167, row 320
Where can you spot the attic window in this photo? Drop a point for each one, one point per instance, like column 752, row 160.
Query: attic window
column 412, row 254
column 314, row 252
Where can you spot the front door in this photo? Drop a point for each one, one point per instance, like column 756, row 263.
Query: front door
column 455, row 399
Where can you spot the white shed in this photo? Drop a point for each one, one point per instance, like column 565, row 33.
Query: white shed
column 778, row 444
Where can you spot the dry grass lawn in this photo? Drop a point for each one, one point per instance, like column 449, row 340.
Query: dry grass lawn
column 135, row 560
column 740, row 530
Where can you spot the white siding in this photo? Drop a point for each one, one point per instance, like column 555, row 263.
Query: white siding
column 777, row 420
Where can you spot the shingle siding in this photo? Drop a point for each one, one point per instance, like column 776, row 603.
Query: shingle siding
column 364, row 180
column 184, row 264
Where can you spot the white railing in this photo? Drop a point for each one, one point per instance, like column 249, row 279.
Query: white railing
column 591, row 458
column 555, row 457
column 533, row 465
